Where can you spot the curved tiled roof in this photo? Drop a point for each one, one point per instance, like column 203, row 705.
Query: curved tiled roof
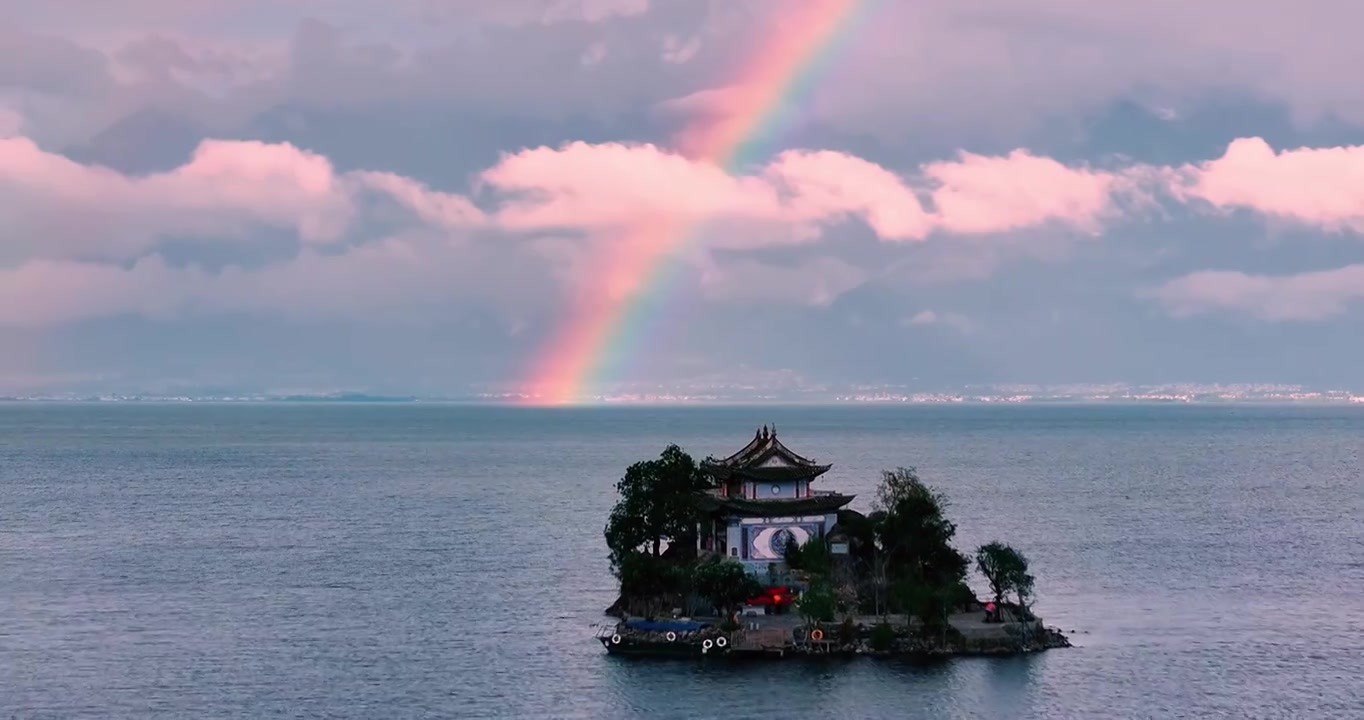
column 775, row 508
column 763, row 446
column 767, row 474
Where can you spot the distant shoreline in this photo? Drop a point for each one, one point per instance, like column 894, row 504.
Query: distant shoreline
column 1348, row 401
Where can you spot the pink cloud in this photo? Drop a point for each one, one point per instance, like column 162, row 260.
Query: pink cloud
column 439, row 209
column 609, row 185
column 980, row 194
column 55, row 208
column 1317, row 186
column 825, row 184
column 614, row 185
column 1301, row 297
column 59, row 209
column 280, row 183
column 68, row 223
column 707, row 114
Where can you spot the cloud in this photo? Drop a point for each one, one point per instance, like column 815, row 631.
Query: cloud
column 1310, row 296
column 407, row 278
column 830, row 184
column 956, row 321
column 995, row 67
column 986, row 70
column 815, row 282
column 592, row 11
column 677, row 51
column 438, row 209
column 979, row 194
column 51, row 65
column 1315, row 186
column 584, row 218
column 262, row 15
column 524, row 12
column 614, row 185
column 389, row 203
column 55, row 208
column 87, row 239
column 11, row 123
column 611, row 185
column 594, row 54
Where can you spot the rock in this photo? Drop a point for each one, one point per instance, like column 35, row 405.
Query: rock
column 1054, row 638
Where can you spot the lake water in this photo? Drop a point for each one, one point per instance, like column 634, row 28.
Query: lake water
column 394, row 561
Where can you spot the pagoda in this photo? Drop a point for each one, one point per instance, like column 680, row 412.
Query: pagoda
column 760, row 500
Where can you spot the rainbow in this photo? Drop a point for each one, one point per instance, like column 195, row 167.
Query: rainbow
column 607, row 330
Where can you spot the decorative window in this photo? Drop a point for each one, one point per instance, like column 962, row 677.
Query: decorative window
column 776, row 489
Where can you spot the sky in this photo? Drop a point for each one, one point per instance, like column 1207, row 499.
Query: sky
column 569, row 197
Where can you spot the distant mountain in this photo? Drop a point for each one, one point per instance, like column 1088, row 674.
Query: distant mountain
column 347, row 397
column 148, row 141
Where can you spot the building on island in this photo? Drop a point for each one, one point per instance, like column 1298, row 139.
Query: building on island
column 762, row 498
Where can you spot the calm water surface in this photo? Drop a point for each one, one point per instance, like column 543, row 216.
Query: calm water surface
column 444, row 561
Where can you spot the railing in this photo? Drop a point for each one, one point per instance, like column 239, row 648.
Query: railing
column 602, row 631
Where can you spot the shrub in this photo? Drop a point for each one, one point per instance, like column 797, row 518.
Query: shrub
column 818, row 604
column 847, row 631
column 882, row 637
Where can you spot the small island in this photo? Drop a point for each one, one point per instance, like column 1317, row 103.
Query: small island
column 742, row 556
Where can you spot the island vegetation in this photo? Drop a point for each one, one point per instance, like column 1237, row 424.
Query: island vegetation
column 897, row 584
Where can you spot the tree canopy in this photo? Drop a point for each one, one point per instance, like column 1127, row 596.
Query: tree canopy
column 656, row 505
column 915, row 558
column 724, row 584
column 914, row 536
column 813, row 556
column 1006, row 569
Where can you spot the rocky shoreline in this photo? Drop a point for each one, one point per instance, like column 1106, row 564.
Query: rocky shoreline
column 879, row 640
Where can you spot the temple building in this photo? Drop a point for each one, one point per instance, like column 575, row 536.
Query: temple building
column 762, row 498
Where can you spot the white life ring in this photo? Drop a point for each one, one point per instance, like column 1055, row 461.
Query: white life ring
column 706, row 645
column 615, row 639
column 721, row 642
column 671, row 636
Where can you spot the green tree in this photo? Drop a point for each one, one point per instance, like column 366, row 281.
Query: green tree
column 1006, row 569
column 656, row 506
column 813, row 557
column 644, row 576
column 724, row 584
column 915, row 557
column 913, row 533
column 818, row 603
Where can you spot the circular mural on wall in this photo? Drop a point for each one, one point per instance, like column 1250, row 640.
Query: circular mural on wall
column 770, row 542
